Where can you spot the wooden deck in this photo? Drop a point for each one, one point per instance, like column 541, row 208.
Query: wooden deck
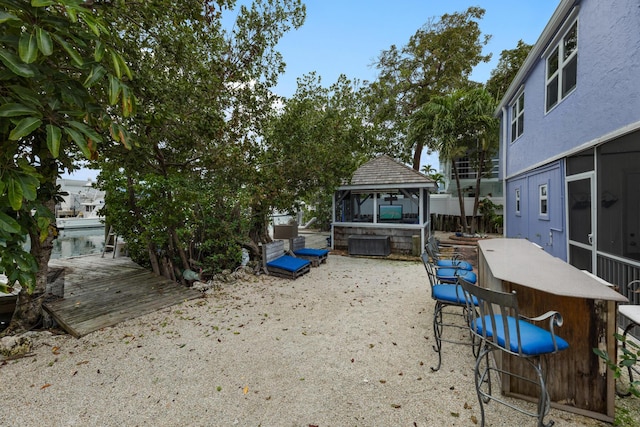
column 101, row 292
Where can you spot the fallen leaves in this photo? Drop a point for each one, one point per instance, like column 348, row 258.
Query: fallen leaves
column 47, row 385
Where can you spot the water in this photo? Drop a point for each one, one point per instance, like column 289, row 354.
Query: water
column 83, row 241
column 70, row 243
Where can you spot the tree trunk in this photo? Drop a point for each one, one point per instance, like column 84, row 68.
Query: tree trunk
column 153, row 258
column 417, row 154
column 476, row 201
column 28, row 311
column 259, row 229
column 178, row 247
column 463, row 215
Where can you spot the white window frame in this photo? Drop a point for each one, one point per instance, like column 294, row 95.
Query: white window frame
column 518, row 201
column 543, row 197
column 556, row 78
column 517, row 113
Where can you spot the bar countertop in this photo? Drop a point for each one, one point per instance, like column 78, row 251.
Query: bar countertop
column 520, row 261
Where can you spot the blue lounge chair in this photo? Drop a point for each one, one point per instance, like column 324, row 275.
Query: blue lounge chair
column 316, row 256
column 277, row 263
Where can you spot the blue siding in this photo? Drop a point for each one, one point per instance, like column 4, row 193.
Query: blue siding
column 607, row 94
column 548, row 231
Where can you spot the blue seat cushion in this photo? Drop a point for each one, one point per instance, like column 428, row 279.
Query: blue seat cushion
column 534, row 340
column 288, row 263
column 451, row 275
column 450, row 293
column 453, row 263
column 311, row 252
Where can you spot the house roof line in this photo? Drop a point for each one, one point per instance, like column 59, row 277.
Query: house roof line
column 384, row 172
column 541, row 45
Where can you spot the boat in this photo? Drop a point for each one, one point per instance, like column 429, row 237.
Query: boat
column 79, row 205
column 87, row 218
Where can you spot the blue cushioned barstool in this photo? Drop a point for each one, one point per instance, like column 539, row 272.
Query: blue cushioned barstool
column 447, row 295
column 454, row 262
column 498, row 323
column 451, row 275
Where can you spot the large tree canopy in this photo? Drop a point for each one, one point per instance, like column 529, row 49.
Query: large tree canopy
column 317, row 140
column 180, row 195
column 438, row 59
column 508, row 66
column 62, row 93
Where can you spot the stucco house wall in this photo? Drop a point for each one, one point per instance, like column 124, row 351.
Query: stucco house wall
column 607, row 95
column 585, row 149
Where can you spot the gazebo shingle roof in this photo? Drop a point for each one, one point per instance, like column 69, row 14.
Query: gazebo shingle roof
column 383, row 171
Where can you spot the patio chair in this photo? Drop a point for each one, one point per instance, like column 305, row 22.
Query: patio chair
column 316, row 256
column 276, row 263
column 631, row 312
column 498, row 323
column 454, row 261
column 451, row 275
column 447, row 295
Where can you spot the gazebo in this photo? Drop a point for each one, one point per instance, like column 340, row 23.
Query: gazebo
column 383, row 209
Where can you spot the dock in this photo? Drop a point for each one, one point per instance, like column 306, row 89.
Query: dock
column 102, row 292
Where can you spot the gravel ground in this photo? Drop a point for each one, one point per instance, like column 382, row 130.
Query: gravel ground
column 349, row 344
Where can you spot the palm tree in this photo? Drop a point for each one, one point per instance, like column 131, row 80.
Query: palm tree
column 459, row 124
column 428, row 170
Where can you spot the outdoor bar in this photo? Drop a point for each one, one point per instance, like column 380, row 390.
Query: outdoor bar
column 578, row 380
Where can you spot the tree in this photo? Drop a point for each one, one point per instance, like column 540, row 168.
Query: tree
column 461, row 124
column 506, row 70
column 63, row 92
column 313, row 144
column 432, row 173
column 438, row 58
column 182, row 197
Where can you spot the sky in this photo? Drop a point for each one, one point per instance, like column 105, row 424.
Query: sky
column 347, row 36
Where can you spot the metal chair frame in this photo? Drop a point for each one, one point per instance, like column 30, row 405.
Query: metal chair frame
column 494, row 312
column 439, row 312
column 454, row 258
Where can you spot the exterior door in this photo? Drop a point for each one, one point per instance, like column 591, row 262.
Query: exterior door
column 581, row 221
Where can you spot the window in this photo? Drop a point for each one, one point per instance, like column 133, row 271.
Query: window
column 517, row 118
column 355, row 207
column 544, row 207
column 517, row 201
column 618, row 198
column 562, row 68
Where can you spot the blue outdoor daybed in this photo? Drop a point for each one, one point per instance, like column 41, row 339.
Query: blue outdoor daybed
column 316, row 256
column 276, row 263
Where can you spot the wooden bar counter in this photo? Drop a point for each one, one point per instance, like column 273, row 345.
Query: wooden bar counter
column 578, row 381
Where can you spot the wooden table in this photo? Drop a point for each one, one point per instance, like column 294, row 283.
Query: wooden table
column 578, row 381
